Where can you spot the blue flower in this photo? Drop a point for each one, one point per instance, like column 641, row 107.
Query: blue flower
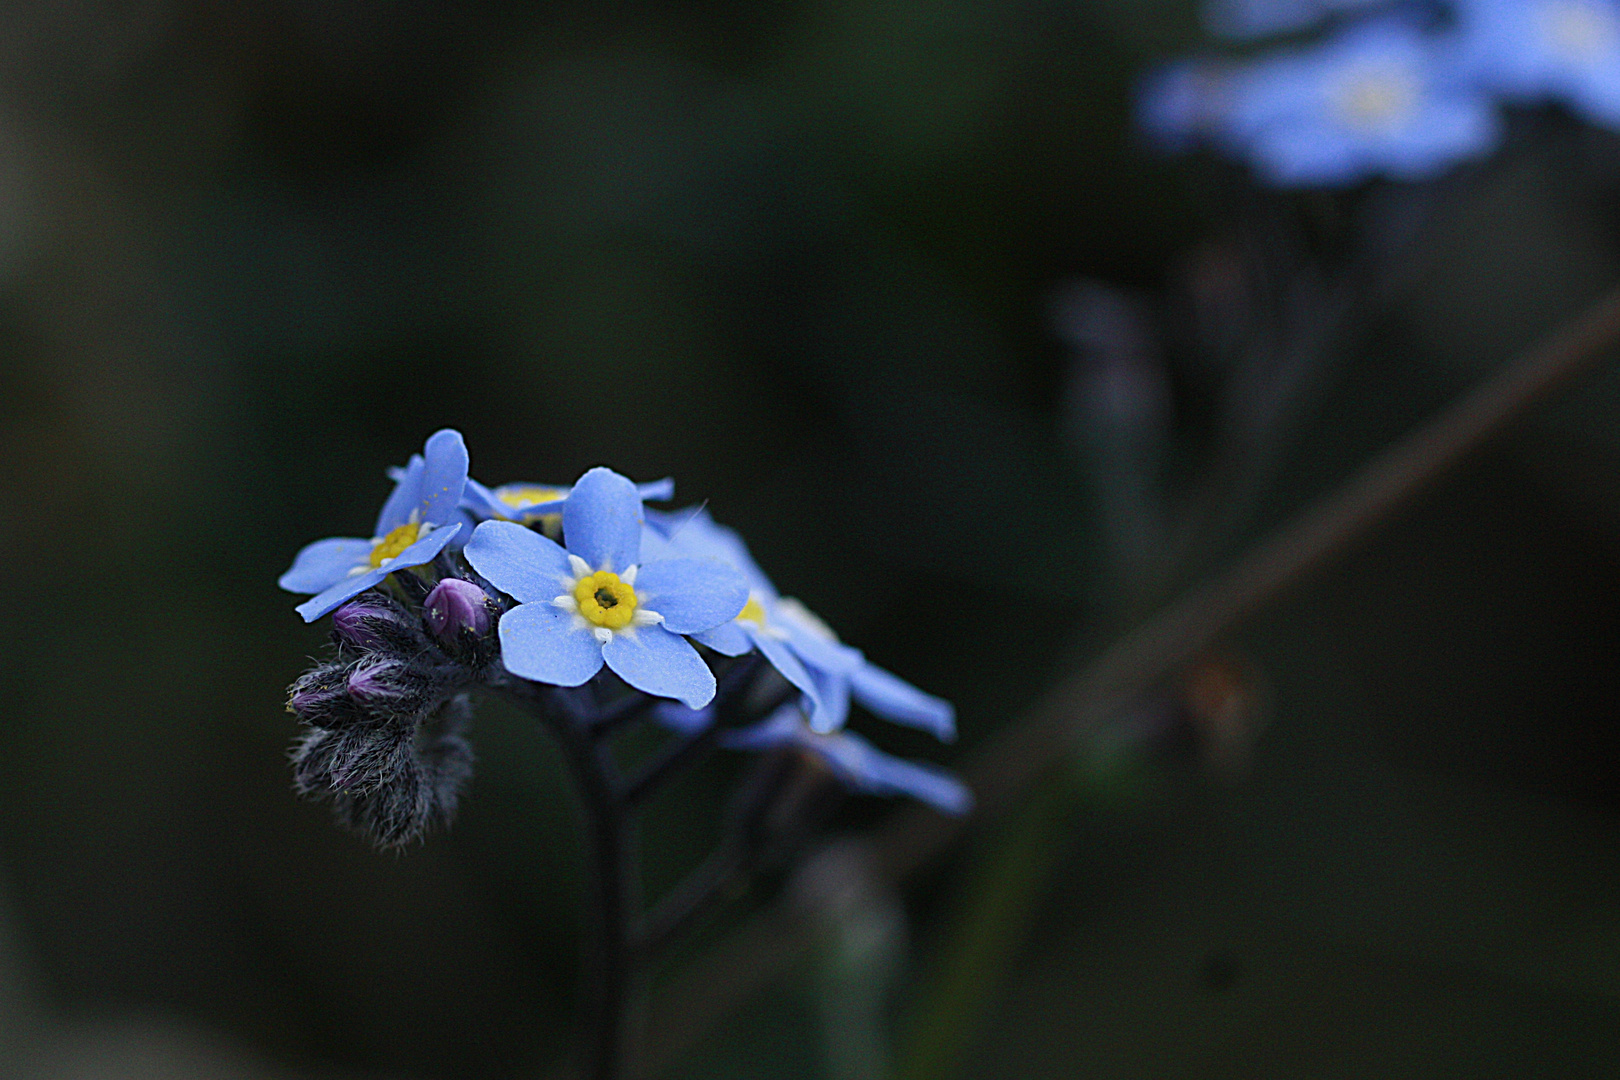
column 1533, row 50
column 855, row 761
column 798, row 644
column 538, row 504
column 416, row 523
column 1382, row 98
column 594, row 601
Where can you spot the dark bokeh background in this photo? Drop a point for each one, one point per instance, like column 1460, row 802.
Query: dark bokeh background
column 799, row 256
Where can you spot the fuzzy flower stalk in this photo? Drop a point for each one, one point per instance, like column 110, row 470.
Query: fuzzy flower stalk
column 595, row 617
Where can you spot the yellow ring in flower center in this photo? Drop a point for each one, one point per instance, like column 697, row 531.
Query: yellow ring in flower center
column 395, row 542
column 605, row 600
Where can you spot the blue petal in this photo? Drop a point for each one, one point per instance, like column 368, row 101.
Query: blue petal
column 403, row 499
column 518, row 561
column 527, row 508
column 654, row 545
column 602, row 521
column 424, row 550
column 894, row 699
column 694, row 532
column 728, row 639
column 482, row 502
column 870, row 769
column 444, row 476
column 324, row 563
column 818, row 652
column 651, row 658
column 464, row 524
column 782, row 658
column 855, row 761
column 329, row 600
column 544, row 643
column 691, row 594
column 657, row 490
column 832, row 688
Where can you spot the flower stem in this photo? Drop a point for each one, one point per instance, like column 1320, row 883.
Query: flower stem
column 612, row 972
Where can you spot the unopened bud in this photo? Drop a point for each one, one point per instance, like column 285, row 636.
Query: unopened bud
column 320, row 697
column 378, row 684
column 456, row 608
column 366, row 623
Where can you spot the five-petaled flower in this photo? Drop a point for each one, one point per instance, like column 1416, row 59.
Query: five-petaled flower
column 798, row 644
column 1381, row 98
column 416, row 523
column 594, row 601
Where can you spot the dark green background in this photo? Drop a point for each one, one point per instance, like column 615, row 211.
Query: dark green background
column 797, row 255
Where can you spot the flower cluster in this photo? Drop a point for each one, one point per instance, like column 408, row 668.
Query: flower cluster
column 580, row 593
column 1392, row 94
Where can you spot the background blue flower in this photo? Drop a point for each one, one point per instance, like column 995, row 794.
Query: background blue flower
column 555, row 636
column 1380, row 99
column 1536, row 50
column 414, row 525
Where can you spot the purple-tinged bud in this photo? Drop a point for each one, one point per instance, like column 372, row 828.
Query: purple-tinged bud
column 320, row 697
column 455, row 608
column 362, row 623
column 377, row 684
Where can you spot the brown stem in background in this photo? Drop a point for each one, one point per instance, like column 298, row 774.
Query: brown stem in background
column 764, row 947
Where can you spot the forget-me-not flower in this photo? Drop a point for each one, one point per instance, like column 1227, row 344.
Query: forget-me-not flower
column 855, row 761
column 595, row 601
column 1535, row 50
column 798, row 644
column 417, row 522
column 1381, row 98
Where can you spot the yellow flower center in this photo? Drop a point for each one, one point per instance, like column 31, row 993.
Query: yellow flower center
column 1579, row 31
column 753, row 611
column 395, row 542
column 1378, row 98
column 605, row 600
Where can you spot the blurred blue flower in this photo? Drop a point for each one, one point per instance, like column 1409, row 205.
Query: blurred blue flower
column 1536, row 50
column 798, row 644
column 855, row 761
column 416, row 523
column 595, row 602
column 1381, row 98
column 542, row 504
column 1258, row 18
